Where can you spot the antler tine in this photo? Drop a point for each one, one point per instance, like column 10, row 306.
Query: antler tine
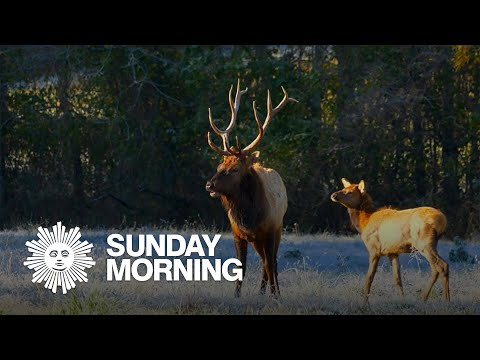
column 238, row 144
column 255, row 112
column 231, row 150
column 271, row 112
column 260, row 132
column 212, row 124
column 226, row 145
column 230, row 100
column 234, row 106
column 216, row 148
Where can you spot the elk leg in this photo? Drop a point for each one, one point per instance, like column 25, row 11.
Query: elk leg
column 372, row 269
column 278, row 235
column 433, row 264
column 241, row 247
column 439, row 267
column 442, row 268
column 433, row 279
column 269, row 248
column 263, row 283
column 444, row 272
column 397, row 277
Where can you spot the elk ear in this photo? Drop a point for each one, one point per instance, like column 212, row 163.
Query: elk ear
column 255, row 157
column 345, row 182
column 362, row 187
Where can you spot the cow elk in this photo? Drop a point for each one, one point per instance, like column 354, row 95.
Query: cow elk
column 253, row 196
column 390, row 232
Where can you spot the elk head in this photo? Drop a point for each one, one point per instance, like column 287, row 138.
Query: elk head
column 352, row 194
column 237, row 160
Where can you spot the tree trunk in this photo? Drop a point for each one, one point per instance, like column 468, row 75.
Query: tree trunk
column 74, row 143
column 449, row 141
column 450, row 151
column 418, row 148
column 3, row 122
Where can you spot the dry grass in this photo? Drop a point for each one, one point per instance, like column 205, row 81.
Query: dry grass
column 326, row 278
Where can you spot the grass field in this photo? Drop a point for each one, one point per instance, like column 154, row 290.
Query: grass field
column 318, row 274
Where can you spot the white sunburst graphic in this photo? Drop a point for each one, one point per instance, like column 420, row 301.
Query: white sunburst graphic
column 59, row 258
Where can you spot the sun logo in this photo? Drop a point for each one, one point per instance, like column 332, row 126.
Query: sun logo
column 59, row 258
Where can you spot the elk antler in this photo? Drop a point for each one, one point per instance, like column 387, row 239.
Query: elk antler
column 234, row 106
column 271, row 112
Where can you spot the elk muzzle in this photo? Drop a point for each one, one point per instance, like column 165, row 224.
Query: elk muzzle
column 333, row 197
column 210, row 187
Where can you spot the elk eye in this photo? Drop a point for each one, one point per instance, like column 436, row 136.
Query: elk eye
column 235, row 170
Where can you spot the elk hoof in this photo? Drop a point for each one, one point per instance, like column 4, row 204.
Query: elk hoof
column 274, row 296
column 366, row 303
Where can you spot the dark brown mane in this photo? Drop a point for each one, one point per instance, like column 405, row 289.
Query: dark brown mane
column 247, row 205
column 367, row 204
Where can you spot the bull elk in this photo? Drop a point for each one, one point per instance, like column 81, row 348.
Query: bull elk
column 253, row 196
column 390, row 232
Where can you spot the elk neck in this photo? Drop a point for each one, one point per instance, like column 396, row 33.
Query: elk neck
column 247, row 205
column 361, row 216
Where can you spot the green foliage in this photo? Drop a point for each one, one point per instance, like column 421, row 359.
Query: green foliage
column 459, row 253
column 116, row 135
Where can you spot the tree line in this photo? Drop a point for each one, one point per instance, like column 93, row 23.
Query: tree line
column 116, row 135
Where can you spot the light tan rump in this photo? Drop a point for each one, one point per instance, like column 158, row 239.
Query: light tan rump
column 397, row 230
